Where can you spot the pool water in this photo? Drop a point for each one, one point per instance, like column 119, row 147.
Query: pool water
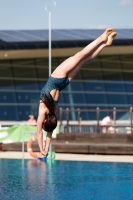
column 65, row 180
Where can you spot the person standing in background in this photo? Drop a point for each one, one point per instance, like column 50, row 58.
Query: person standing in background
column 105, row 123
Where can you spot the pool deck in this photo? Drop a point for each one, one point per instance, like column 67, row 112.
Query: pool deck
column 73, row 157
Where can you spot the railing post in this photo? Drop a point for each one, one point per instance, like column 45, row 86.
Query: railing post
column 79, row 120
column 61, row 126
column 60, row 116
column 114, row 118
column 67, row 118
column 131, row 117
column 97, row 113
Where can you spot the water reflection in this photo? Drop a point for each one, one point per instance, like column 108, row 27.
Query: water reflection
column 36, row 173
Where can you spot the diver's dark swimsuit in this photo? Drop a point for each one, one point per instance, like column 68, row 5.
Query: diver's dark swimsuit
column 54, row 83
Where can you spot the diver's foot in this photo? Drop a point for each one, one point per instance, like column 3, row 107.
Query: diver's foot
column 111, row 38
column 105, row 35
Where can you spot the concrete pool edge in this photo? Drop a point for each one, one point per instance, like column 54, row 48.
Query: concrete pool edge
column 73, row 157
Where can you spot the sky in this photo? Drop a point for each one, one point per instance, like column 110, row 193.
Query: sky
column 66, row 14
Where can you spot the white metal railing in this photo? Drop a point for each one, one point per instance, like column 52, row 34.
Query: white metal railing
column 6, row 124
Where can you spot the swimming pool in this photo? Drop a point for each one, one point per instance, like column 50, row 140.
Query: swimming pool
column 65, row 180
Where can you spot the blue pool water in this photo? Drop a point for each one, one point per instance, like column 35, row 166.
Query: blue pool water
column 64, row 180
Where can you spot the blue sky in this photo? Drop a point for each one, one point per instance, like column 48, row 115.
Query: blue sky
column 68, row 14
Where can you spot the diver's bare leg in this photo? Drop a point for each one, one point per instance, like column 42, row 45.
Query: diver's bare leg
column 74, row 63
column 93, row 54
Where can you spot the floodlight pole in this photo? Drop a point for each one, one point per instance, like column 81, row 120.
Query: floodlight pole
column 49, row 43
column 50, row 148
column 49, row 14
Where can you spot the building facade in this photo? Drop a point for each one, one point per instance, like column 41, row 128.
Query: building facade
column 105, row 82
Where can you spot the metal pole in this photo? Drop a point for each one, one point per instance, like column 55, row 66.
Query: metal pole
column 49, row 13
column 50, row 148
column 49, row 43
column 23, row 145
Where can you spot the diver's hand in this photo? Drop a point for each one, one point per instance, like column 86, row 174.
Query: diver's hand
column 40, row 155
column 44, row 153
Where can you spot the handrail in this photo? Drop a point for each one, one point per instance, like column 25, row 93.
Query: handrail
column 67, row 111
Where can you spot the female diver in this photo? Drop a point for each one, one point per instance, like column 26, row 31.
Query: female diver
column 59, row 79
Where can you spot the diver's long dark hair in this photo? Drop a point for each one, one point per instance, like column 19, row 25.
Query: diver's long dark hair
column 51, row 118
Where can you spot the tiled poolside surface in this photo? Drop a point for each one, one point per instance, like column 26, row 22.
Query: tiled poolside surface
column 73, row 157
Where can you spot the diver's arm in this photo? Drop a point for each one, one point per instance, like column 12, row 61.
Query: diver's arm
column 47, row 144
column 40, row 134
column 48, row 140
column 40, row 121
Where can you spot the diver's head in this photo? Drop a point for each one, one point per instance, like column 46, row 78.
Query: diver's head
column 50, row 123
